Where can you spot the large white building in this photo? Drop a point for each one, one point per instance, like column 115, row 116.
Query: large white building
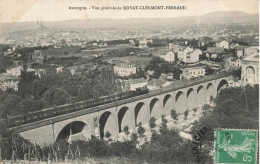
column 250, row 69
column 189, row 55
column 191, row 72
column 124, row 69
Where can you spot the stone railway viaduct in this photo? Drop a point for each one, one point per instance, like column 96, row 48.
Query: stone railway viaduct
column 113, row 117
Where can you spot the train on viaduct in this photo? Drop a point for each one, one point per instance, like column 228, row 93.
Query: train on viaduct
column 114, row 116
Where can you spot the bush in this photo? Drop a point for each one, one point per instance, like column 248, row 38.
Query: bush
column 186, row 113
column 164, row 120
column 122, row 148
column 195, row 110
column 167, row 148
column 212, row 99
column 152, row 122
column 126, row 130
column 174, row 115
column 154, row 135
column 134, row 137
column 108, row 134
column 206, row 107
column 163, row 128
column 140, row 130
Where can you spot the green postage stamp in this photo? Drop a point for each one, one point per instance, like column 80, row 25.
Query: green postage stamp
column 236, row 146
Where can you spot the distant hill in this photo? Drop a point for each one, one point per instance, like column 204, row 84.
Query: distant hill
column 211, row 18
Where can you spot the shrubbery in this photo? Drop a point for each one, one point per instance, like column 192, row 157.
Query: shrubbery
column 186, row 113
column 174, row 115
column 152, row 122
column 140, row 130
column 232, row 104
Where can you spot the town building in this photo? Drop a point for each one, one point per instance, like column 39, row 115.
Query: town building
column 155, row 84
column 15, row 71
column 223, row 44
column 143, row 43
column 193, row 56
column 233, row 62
column 250, row 69
column 189, row 55
column 168, row 76
column 191, row 72
column 59, row 69
column 233, row 45
column 37, row 72
column 214, row 52
column 251, row 50
column 8, row 81
column 135, row 83
column 169, row 57
column 239, row 51
column 125, row 69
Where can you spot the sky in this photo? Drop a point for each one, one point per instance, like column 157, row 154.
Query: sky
column 54, row 10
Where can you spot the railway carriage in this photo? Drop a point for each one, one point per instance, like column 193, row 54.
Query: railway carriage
column 63, row 109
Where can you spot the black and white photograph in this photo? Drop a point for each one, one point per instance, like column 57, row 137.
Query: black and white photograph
column 129, row 81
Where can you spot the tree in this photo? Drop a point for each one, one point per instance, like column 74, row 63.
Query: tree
column 176, row 73
column 108, row 134
column 25, row 83
column 30, row 105
column 237, row 73
column 163, row 128
column 140, row 130
column 134, row 137
column 206, row 107
column 9, row 105
column 186, row 113
column 174, row 115
column 230, row 111
column 56, row 96
column 164, row 119
column 152, row 122
column 195, row 110
column 126, row 130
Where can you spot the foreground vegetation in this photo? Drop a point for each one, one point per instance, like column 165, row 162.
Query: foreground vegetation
column 234, row 108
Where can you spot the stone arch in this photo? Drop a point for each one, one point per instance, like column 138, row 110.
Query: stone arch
column 167, row 105
column 210, row 91
column 125, row 119
column 106, row 123
column 180, row 102
column 178, row 95
column 71, row 129
column 189, row 92
column 155, row 108
column 192, row 99
column 141, row 114
column 201, row 99
column 222, row 84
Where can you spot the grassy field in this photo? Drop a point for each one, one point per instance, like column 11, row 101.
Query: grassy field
column 137, row 60
column 98, row 51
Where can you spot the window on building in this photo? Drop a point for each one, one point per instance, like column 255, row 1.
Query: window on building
column 250, row 71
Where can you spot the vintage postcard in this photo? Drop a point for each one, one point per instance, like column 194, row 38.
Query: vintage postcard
column 129, row 81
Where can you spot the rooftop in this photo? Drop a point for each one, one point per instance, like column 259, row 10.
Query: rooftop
column 252, row 57
column 216, row 50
